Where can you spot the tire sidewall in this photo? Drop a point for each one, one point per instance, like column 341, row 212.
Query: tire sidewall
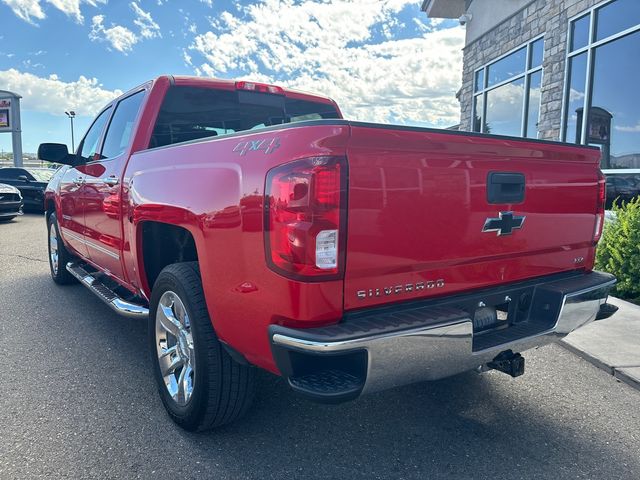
column 52, row 222
column 188, row 415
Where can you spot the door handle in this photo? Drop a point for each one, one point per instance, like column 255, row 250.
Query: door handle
column 78, row 180
column 112, row 180
column 505, row 187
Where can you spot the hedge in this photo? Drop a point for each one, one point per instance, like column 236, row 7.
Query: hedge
column 619, row 250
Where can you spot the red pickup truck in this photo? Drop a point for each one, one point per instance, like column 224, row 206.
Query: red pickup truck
column 254, row 226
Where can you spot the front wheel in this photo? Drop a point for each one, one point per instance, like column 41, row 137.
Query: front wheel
column 59, row 256
column 199, row 383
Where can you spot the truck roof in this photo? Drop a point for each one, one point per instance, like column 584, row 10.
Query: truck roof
column 231, row 85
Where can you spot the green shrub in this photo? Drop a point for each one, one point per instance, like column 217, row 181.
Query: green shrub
column 619, row 250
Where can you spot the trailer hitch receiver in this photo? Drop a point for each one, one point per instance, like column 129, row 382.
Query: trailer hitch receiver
column 509, row 363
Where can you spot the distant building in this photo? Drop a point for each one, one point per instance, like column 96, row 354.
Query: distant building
column 532, row 68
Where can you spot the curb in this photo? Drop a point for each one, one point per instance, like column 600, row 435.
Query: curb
column 592, row 359
column 626, row 378
column 595, row 361
column 623, row 371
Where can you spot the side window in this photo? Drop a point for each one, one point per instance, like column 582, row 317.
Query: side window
column 121, row 126
column 10, row 173
column 91, row 139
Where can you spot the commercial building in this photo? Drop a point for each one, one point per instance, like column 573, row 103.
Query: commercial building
column 532, row 68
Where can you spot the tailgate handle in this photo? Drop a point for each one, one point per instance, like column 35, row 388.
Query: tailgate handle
column 505, row 187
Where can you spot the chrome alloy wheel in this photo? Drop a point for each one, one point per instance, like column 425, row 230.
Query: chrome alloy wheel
column 174, row 346
column 53, row 248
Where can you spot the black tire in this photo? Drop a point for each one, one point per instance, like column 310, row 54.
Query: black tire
column 59, row 273
column 7, row 219
column 222, row 389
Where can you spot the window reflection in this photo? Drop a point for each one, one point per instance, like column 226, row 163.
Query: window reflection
column 615, row 91
column 508, row 67
column 478, row 108
column 504, row 109
column 537, row 52
column 616, row 17
column 535, row 84
column 575, row 100
column 499, row 90
column 580, row 32
column 479, row 81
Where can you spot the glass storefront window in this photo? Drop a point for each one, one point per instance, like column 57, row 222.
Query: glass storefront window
column 510, row 66
column 499, row 93
column 608, row 88
column 479, row 80
column 616, row 17
column 575, row 98
column 615, row 103
column 580, row 32
column 535, row 85
column 504, row 109
column 478, row 108
column 537, row 51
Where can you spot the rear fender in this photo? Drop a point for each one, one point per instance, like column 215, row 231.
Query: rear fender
column 196, row 197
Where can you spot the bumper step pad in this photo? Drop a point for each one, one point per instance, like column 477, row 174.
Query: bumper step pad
column 326, row 385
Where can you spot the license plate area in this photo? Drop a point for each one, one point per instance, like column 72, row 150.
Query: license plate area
column 497, row 312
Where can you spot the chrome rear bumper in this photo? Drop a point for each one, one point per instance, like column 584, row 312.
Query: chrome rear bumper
column 386, row 348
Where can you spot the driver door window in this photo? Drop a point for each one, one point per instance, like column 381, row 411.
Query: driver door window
column 91, row 141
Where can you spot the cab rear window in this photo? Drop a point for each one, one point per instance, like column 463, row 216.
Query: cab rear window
column 190, row 113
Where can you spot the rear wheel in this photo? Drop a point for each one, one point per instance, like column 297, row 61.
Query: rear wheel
column 199, row 383
column 59, row 256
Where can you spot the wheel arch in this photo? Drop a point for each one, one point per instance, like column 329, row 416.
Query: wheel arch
column 160, row 244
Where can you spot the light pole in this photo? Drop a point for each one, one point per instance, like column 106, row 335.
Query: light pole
column 71, row 114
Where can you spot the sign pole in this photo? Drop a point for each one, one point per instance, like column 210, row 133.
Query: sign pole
column 17, row 133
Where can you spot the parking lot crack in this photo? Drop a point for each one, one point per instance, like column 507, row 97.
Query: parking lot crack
column 15, row 255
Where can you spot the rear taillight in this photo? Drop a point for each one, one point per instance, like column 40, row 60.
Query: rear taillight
column 305, row 216
column 597, row 231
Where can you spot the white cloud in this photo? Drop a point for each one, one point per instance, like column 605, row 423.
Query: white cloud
column 31, row 10
column 328, row 47
column 120, row 38
column 628, row 128
column 27, row 10
column 71, row 8
column 148, row 27
column 52, row 95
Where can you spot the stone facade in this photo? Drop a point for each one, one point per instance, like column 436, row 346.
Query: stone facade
column 548, row 17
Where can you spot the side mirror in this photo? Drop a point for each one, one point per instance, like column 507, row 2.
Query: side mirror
column 23, row 178
column 56, row 153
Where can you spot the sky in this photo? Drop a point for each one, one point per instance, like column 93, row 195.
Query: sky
column 382, row 61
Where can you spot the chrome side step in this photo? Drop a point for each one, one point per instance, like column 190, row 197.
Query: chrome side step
column 93, row 282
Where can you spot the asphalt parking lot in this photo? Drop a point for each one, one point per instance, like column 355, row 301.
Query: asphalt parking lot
column 77, row 400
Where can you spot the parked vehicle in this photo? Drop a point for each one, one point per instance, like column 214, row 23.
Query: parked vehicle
column 31, row 182
column 254, row 226
column 621, row 188
column 10, row 202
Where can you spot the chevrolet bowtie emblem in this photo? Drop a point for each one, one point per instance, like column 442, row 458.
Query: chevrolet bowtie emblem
column 505, row 224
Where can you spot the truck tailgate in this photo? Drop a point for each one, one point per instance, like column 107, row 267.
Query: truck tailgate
column 418, row 205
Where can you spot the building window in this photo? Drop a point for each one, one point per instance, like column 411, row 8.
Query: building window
column 506, row 93
column 602, row 79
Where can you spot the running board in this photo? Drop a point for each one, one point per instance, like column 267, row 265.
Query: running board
column 92, row 280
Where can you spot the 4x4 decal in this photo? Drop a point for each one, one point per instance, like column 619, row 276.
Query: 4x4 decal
column 267, row 145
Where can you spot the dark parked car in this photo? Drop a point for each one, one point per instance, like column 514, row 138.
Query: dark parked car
column 30, row 181
column 620, row 189
column 10, row 202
